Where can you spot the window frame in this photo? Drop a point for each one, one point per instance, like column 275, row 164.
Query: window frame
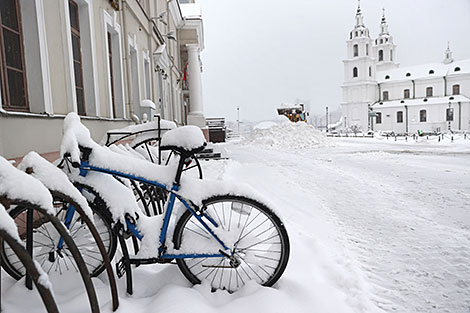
column 75, row 32
column 355, row 72
column 406, row 93
column 423, row 116
column 429, row 91
column 4, row 68
column 355, row 50
column 399, row 116
column 380, row 55
column 456, row 89
column 385, row 95
column 378, row 118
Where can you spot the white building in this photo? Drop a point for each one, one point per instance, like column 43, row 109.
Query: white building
column 378, row 94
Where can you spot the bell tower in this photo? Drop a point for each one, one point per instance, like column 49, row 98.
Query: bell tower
column 360, row 86
column 384, row 49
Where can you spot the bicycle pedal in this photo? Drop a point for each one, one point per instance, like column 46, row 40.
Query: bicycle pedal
column 120, row 268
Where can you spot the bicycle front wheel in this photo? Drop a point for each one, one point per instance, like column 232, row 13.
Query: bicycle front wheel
column 258, row 242
column 46, row 239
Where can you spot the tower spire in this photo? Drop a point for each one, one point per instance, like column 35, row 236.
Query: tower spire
column 448, row 59
column 383, row 24
column 359, row 17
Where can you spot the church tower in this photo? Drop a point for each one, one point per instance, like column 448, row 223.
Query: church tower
column 384, row 49
column 448, row 59
column 360, row 86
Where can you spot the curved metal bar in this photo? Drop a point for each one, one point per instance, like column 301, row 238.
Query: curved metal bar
column 27, row 261
column 89, row 287
column 99, row 242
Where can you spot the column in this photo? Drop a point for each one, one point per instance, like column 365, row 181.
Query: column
column 195, row 115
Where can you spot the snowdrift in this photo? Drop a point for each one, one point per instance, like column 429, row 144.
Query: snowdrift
column 285, row 135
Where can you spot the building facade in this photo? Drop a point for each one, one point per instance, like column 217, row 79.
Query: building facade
column 99, row 58
column 380, row 95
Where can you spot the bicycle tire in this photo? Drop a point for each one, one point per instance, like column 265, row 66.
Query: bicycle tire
column 254, row 224
column 48, row 239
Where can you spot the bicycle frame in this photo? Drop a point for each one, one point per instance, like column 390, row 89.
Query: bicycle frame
column 85, row 167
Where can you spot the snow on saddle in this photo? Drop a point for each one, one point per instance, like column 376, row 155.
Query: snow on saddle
column 186, row 140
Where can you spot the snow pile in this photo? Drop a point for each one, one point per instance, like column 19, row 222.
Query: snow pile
column 285, row 136
column 17, row 185
column 53, row 178
column 186, row 137
column 8, row 224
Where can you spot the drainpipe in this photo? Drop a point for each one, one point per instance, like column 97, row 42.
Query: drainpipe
column 414, row 88
column 460, row 115
column 406, row 118
column 445, row 86
column 380, row 93
column 126, row 58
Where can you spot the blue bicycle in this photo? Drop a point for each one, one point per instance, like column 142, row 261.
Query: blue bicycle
column 225, row 239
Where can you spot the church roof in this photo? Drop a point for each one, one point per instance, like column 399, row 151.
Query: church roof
column 420, row 101
column 424, row 71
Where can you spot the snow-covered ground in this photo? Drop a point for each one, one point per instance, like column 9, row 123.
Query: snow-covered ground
column 374, row 225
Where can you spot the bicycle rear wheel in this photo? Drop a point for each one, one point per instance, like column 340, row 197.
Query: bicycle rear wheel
column 46, row 239
column 256, row 237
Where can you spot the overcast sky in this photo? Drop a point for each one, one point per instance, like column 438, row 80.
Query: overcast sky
column 259, row 53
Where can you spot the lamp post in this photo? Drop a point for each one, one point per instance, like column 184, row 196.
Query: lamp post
column 238, row 119
column 326, row 119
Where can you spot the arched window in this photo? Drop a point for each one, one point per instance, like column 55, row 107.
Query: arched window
column 355, row 72
column 391, row 55
column 387, row 77
column 429, row 92
column 456, row 89
column 408, row 74
column 367, row 49
column 449, row 114
column 406, row 93
column 370, row 71
column 457, row 69
column 381, row 55
column 422, row 116
column 385, row 95
column 431, row 72
column 378, row 118
column 355, row 50
column 400, row 117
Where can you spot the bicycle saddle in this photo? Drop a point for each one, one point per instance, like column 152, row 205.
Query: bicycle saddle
column 186, row 140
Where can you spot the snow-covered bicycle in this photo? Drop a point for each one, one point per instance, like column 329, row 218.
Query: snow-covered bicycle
column 221, row 234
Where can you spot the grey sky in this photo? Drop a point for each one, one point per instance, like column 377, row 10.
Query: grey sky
column 259, row 53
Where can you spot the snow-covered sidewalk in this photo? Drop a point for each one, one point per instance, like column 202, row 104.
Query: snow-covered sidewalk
column 374, row 226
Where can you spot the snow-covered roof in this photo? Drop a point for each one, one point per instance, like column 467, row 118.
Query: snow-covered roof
column 424, row 71
column 421, row 101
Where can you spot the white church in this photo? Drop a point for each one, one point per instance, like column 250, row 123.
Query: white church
column 380, row 95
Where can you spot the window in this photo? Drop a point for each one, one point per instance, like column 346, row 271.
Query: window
column 12, row 66
column 400, row 117
column 381, row 55
column 387, row 77
column 391, row 55
column 431, row 72
column 355, row 50
column 457, row 69
column 77, row 57
column 449, row 114
column 370, row 71
column 111, row 73
column 429, row 92
column 422, row 116
column 406, row 93
column 355, row 72
column 378, row 118
column 408, row 74
column 385, row 95
column 456, row 89
column 367, row 49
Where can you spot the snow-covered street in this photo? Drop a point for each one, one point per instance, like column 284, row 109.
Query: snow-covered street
column 397, row 214
column 374, row 225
